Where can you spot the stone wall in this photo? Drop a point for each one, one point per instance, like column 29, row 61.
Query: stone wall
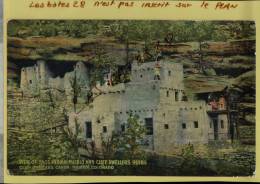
column 29, row 79
column 140, row 96
column 56, row 83
column 170, row 73
column 174, row 121
column 180, row 123
column 36, row 78
column 223, row 127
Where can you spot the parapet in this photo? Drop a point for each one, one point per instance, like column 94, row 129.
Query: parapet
column 152, row 64
column 119, row 88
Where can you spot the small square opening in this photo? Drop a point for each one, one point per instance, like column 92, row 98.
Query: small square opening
column 122, row 128
column 104, row 129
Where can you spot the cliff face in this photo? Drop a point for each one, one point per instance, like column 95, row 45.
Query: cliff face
column 226, row 58
column 60, row 48
column 72, row 49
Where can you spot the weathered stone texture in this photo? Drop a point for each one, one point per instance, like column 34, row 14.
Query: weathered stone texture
column 160, row 102
column 175, row 122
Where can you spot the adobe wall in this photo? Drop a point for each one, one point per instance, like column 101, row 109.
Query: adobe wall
column 171, row 74
column 113, row 105
column 222, row 127
column 82, row 76
column 142, row 95
column 142, row 72
column 38, row 77
column 29, row 79
column 175, row 122
column 170, row 95
column 34, row 78
column 81, row 118
column 223, row 130
column 56, row 83
column 189, row 113
column 44, row 74
column 109, row 102
column 121, row 120
column 127, row 97
column 165, row 139
column 102, row 125
column 175, row 116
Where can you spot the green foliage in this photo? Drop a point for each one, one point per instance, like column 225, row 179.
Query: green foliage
column 76, row 89
column 203, row 30
column 127, row 144
column 190, row 162
column 102, row 62
column 130, row 30
column 29, row 146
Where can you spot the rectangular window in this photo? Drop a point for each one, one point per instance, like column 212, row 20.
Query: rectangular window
column 149, row 126
column 183, row 125
column 166, row 126
column 222, row 123
column 196, row 124
column 176, row 96
column 104, row 129
column 88, row 125
column 122, row 128
column 167, row 93
column 169, row 73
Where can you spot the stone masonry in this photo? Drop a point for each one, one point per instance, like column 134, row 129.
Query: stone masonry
column 161, row 104
column 169, row 118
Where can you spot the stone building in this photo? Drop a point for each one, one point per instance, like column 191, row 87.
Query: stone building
column 38, row 78
column 168, row 116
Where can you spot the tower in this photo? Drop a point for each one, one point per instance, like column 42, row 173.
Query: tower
column 43, row 73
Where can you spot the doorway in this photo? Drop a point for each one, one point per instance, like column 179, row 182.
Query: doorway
column 215, row 128
column 88, row 125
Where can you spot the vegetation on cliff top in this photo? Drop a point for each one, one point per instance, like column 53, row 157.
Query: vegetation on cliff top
column 142, row 30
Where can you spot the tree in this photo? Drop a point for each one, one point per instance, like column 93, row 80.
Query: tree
column 126, row 144
column 130, row 140
column 203, row 32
